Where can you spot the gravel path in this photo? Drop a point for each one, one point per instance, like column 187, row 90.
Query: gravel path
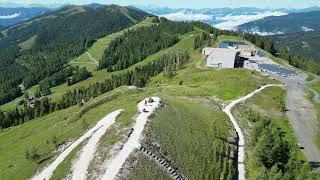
column 133, row 143
column 302, row 116
column 47, row 172
column 241, row 143
column 80, row 166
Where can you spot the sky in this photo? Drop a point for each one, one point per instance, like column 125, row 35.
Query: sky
column 184, row 3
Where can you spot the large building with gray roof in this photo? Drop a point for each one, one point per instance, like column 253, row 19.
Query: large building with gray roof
column 221, row 57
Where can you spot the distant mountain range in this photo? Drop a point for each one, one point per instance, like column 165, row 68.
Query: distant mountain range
column 9, row 16
column 223, row 18
column 301, row 43
column 291, row 23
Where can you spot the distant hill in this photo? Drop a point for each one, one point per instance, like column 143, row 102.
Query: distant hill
column 301, row 43
column 10, row 16
column 74, row 22
column 94, row 5
column 35, row 49
column 294, row 22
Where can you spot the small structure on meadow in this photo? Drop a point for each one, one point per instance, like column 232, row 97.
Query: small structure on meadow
column 221, row 57
column 247, row 50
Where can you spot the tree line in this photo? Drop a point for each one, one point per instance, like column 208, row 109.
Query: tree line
column 136, row 45
column 301, row 62
column 138, row 77
column 273, row 156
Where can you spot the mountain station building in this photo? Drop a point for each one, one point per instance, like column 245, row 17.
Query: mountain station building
column 221, row 57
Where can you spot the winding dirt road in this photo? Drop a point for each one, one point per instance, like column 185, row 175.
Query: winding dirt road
column 241, row 143
column 80, row 166
column 47, row 172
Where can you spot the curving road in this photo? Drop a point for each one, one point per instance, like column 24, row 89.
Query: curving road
column 241, row 143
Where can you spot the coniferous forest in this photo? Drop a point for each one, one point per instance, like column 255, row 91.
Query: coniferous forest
column 170, row 62
column 134, row 46
column 57, row 37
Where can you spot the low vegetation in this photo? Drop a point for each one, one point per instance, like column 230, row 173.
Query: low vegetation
column 147, row 169
column 195, row 136
column 310, row 77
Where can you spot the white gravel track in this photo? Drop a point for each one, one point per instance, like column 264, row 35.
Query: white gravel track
column 80, row 167
column 47, row 172
column 133, row 143
column 227, row 110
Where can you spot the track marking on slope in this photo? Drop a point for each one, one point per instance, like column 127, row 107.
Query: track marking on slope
column 241, row 143
column 80, row 167
column 92, row 59
column 133, row 143
column 47, row 172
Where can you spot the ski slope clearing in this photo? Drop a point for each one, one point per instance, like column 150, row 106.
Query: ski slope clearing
column 145, row 109
column 227, row 110
column 104, row 123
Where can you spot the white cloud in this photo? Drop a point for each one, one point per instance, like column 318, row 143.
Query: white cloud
column 267, row 33
column 10, row 16
column 256, row 30
column 306, row 29
column 182, row 16
column 231, row 22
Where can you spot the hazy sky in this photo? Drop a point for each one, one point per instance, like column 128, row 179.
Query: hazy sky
column 184, row 3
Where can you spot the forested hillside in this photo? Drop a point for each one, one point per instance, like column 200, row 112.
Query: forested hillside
column 294, row 22
column 162, row 34
column 303, row 43
column 41, row 47
column 134, row 46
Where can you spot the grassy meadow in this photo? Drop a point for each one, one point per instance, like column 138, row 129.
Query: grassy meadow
column 193, row 133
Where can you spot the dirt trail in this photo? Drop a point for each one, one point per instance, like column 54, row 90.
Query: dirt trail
column 92, row 59
column 80, row 167
column 241, row 143
column 47, row 172
column 133, row 143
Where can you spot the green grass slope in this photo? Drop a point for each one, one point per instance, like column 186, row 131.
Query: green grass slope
column 184, row 100
column 97, row 49
column 194, row 134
